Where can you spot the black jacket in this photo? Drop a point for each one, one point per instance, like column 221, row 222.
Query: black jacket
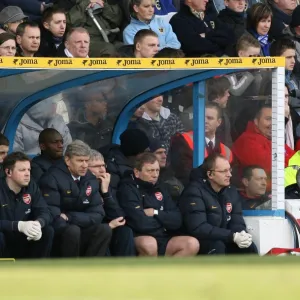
column 111, row 206
column 136, row 195
column 47, row 47
column 208, row 215
column 279, row 22
column 235, row 21
column 81, row 203
column 28, row 205
column 188, row 28
column 40, row 164
column 95, row 136
column 117, row 164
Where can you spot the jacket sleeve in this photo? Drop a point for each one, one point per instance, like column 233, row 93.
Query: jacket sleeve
column 170, row 217
column 128, row 34
column 40, row 210
column 194, row 217
column 112, row 13
column 136, row 218
column 77, row 15
column 111, row 207
column 28, row 6
column 237, row 222
column 191, row 41
column 18, row 142
column 93, row 214
column 50, row 192
column 36, row 172
column 239, row 85
column 171, row 37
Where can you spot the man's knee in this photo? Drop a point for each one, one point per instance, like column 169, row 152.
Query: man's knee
column 192, row 245
column 72, row 233
column 146, row 245
column 103, row 230
column 48, row 232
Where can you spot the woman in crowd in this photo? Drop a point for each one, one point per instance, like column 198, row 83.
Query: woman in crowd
column 142, row 17
column 259, row 18
column 7, row 44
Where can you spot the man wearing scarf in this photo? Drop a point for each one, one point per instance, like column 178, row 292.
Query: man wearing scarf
column 52, row 32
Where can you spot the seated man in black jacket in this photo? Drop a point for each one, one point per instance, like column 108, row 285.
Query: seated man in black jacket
column 72, row 193
column 151, row 212
column 52, row 32
column 52, row 146
column 200, row 33
column 122, row 240
column 212, row 211
column 24, row 215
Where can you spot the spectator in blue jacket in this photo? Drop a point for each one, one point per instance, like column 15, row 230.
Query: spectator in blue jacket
column 32, row 8
column 142, row 17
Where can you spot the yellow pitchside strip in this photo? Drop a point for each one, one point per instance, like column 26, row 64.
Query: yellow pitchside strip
column 212, row 278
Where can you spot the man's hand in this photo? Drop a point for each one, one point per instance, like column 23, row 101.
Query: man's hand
column 94, row 2
column 202, row 35
column 242, row 239
column 30, row 228
column 35, row 238
column 105, row 181
column 117, row 222
column 149, row 212
column 63, row 216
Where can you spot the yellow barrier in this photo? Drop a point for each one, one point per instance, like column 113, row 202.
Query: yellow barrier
column 144, row 63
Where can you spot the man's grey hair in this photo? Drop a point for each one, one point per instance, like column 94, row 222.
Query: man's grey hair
column 78, row 148
column 96, row 155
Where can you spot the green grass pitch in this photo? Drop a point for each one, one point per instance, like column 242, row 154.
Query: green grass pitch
column 201, row 278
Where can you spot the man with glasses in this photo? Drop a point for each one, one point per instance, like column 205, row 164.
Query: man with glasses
column 122, row 239
column 212, row 211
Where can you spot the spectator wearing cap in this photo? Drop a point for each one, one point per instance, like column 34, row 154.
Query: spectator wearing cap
column 52, row 32
column 7, row 44
column 166, row 174
column 120, row 159
column 293, row 32
column 28, row 37
column 282, row 16
column 143, row 17
column 32, row 8
column 10, row 18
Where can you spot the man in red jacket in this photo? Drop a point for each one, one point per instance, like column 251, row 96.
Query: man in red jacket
column 254, row 146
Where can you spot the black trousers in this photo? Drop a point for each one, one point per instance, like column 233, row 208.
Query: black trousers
column 220, row 247
column 15, row 244
column 122, row 242
column 73, row 241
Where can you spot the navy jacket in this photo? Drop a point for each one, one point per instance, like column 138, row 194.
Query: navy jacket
column 279, row 22
column 188, row 28
column 48, row 47
column 208, row 215
column 136, row 195
column 81, row 203
column 40, row 165
column 28, row 205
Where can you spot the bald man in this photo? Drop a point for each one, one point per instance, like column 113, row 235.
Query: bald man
column 51, row 145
